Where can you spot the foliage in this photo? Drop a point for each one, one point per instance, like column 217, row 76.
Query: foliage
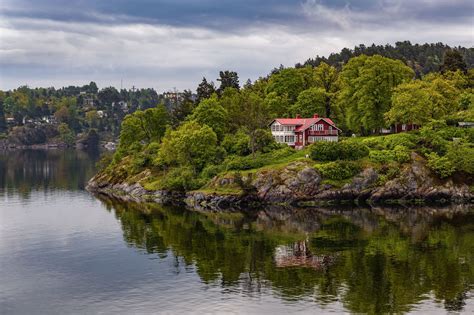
column 237, row 143
column 326, row 77
column 144, row 126
column 338, row 170
column 66, row 134
column 191, row 145
column 422, row 59
column 278, row 105
column 205, row 90
column 366, row 90
column 332, row 151
column 228, row 79
column 399, row 154
column 443, row 166
column 3, row 123
column 261, row 159
column 453, row 60
column 461, row 154
column 181, row 179
column 290, row 82
column 311, row 101
column 389, row 142
column 210, row 112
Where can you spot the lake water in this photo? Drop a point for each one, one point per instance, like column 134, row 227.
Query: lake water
column 63, row 250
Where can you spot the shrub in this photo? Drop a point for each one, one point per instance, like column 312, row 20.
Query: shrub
column 377, row 143
column 260, row 159
column 407, row 140
column 333, row 151
column 401, row 154
column 443, row 166
column 237, row 143
column 381, row 156
column 398, row 154
column 181, row 179
column 462, row 156
column 338, row 170
column 211, row 170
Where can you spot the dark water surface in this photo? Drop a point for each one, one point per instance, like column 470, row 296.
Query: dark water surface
column 64, row 251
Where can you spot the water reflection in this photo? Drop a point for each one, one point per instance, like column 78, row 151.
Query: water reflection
column 373, row 260
column 24, row 171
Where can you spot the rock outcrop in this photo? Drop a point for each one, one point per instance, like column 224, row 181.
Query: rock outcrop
column 299, row 183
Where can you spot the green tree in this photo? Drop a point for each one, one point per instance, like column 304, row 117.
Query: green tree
column 210, row 112
column 366, row 90
column 311, row 101
column 66, row 134
column 290, row 82
column 228, row 79
column 326, row 78
column 192, row 144
column 410, row 104
column 3, row 123
column 182, row 109
column 205, row 90
column 92, row 118
column 453, row 61
column 254, row 114
column 149, row 125
column 278, row 105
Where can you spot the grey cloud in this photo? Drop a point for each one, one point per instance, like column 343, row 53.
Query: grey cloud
column 163, row 44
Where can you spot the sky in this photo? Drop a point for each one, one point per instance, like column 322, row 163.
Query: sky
column 167, row 44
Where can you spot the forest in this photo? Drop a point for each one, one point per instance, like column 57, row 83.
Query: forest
column 227, row 129
column 186, row 139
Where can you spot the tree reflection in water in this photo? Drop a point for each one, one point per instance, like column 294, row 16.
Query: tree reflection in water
column 378, row 260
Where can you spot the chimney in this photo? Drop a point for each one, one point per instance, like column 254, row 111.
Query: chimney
column 315, row 116
column 298, row 116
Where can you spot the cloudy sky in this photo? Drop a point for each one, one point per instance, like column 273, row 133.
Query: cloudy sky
column 174, row 43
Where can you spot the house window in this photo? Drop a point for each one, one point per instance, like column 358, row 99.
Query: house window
column 404, row 127
column 319, row 127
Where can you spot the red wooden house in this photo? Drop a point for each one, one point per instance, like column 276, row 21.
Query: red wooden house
column 299, row 132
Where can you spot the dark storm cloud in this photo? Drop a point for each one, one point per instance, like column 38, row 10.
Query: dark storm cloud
column 233, row 14
column 170, row 43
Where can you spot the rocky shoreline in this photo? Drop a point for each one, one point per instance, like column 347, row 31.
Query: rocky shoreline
column 298, row 184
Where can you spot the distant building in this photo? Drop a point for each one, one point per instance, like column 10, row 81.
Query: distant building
column 122, row 105
column 466, row 124
column 299, row 132
column 101, row 114
column 88, row 101
column 397, row 128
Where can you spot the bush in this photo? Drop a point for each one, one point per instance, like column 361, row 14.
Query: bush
column 398, row 154
column 389, row 142
column 401, row 154
column 462, row 156
column 237, row 163
column 381, row 156
column 405, row 139
column 333, row 151
column 442, row 166
column 338, row 170
column 211, row 171
column 181, row 179
column 237, row 143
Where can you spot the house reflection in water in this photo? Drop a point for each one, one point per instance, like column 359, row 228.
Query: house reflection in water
column 298, row 254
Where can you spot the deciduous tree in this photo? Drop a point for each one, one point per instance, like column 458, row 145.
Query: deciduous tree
column 366, row 90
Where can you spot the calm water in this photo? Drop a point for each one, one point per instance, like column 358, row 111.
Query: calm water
column 63, row 250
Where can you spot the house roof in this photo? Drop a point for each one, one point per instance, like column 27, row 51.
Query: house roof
column 303, row 123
